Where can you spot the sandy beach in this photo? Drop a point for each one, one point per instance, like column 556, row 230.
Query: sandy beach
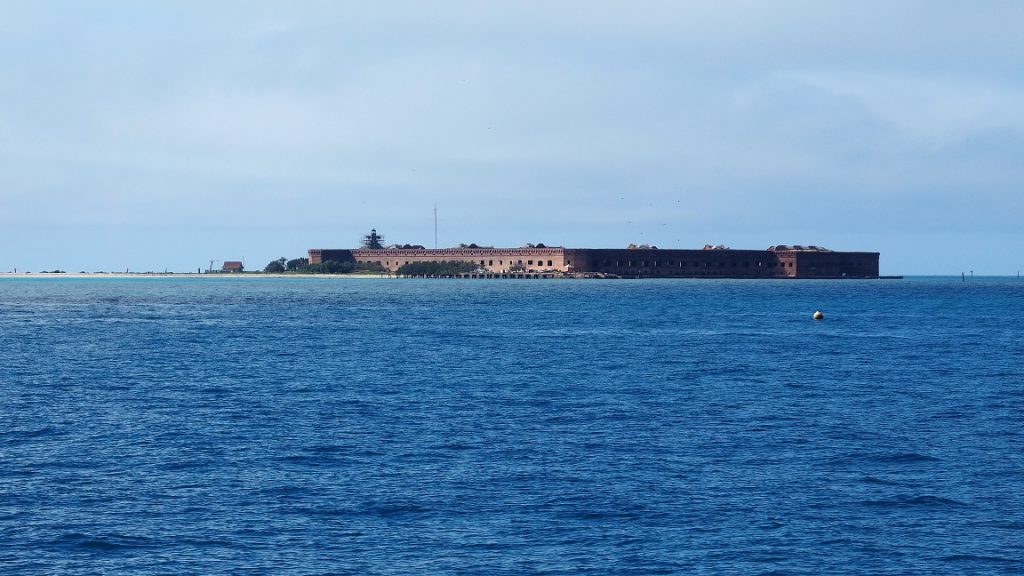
column 211, row 276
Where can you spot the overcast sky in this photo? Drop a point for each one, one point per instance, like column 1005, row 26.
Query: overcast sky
column 161, row 135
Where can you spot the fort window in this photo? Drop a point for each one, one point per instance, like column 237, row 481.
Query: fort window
column 529, row 262
column 549, row 263
column 490, row 262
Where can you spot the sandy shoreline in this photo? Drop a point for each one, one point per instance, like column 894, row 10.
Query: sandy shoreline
column 213, row 276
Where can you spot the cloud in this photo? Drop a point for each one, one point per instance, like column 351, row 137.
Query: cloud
column 598, row 121
column 934, row 111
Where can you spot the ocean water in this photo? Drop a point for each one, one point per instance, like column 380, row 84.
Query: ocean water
column 328, row 426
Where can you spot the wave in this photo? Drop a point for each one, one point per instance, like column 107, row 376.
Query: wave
column 905, row 458
column 36, row 433
column 916, row 501
column 877, row 480
column 976, row 558
column 884, row 458
column 112, row 542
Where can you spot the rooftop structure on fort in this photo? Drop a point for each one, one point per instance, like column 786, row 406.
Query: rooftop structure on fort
column 373, row 241
column 711, row 261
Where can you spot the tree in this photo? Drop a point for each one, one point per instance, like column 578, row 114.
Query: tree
column 443, row 268
column 331, row 267
column 275, row 267
column 296, row 264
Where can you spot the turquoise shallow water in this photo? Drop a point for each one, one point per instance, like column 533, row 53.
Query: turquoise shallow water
column 323, row 426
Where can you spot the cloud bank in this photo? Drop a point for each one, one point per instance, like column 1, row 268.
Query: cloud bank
column 159, row 135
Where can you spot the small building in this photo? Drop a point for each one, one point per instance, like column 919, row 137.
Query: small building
column 232, row 266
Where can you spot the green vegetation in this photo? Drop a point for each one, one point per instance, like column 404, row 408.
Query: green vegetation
column 275, row 267
column 445, row 268
column 335, row 267
column 302, row 266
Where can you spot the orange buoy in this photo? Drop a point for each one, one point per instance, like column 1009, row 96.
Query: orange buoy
column 818, row 315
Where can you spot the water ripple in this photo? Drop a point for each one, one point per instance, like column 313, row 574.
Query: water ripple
column 306, row 426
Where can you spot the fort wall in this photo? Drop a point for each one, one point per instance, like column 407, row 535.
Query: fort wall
column 489, row 259
column 634, row 263
column 656, row 263
column 835, row 264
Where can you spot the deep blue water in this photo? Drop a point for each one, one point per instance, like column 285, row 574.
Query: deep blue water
column 326, row 426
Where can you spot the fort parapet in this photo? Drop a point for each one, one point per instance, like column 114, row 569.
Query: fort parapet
column 775, row 262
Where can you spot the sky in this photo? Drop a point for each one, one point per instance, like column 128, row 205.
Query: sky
column 152, row 136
